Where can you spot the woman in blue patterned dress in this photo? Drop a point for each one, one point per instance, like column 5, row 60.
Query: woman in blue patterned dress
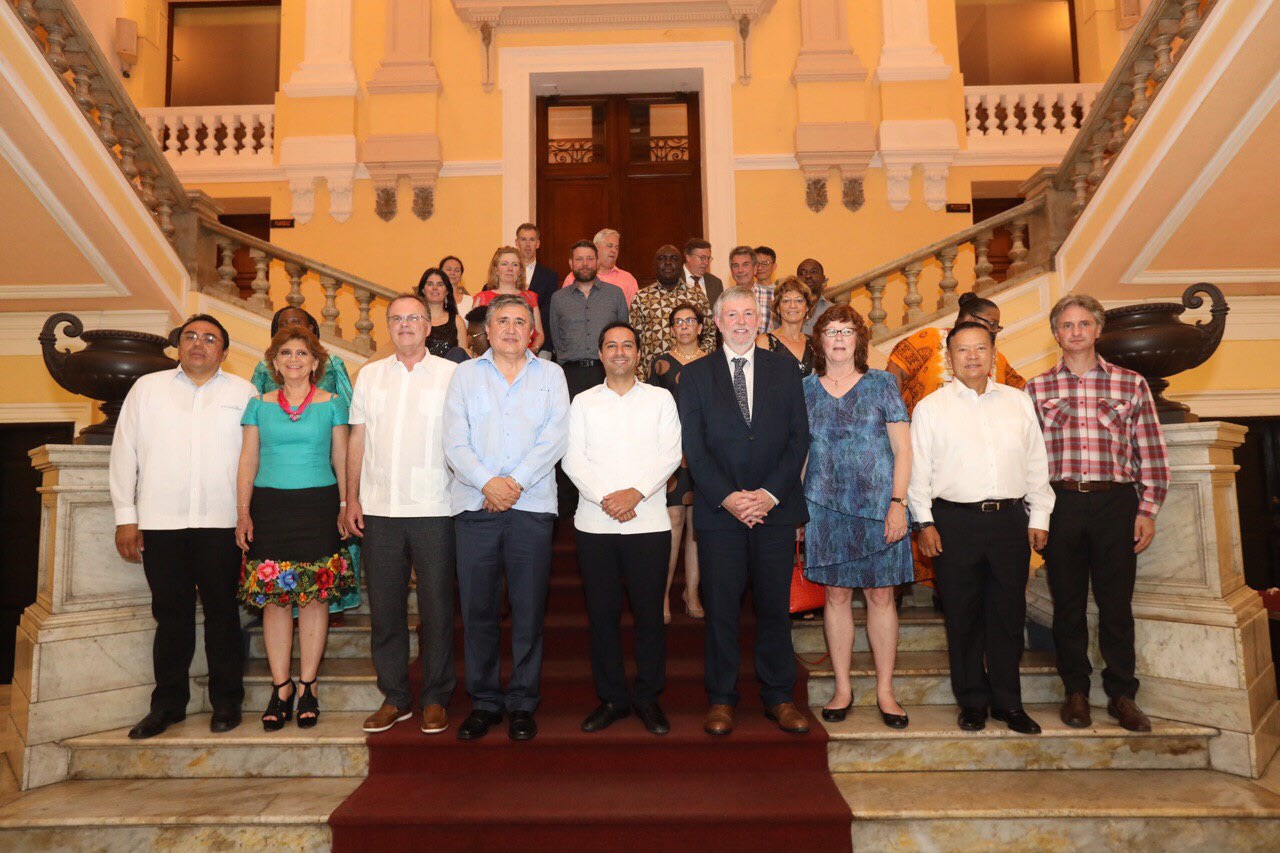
column 856, row 487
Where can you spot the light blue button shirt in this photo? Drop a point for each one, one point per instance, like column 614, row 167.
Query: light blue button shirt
column 493, row 428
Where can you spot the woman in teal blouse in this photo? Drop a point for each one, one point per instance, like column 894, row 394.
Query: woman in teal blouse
column 335, row 380
column 290, row 492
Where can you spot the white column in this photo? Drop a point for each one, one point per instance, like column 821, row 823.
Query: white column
column 407, row 65
column 908, row 52
column 825, row 53
column 326, row 69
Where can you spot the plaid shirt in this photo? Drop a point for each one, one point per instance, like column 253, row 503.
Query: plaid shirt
column 764, row 307
column 1103, row 426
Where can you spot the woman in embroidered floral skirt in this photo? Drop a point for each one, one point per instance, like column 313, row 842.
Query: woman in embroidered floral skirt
column 289, row 517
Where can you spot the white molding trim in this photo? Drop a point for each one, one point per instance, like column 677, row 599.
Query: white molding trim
column 87, row 290
column 1251, row 318
column 1251, row 403
column 518, row 66
column 1209, row 175
column 471, row 168
column 18, row 329
column 1216, row 276
column 515, row 15
column 80, row 414
column 765, row 163
column 232, row 173
column 1012, row 156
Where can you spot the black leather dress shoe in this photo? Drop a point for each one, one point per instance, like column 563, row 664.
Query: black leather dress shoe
column 522, row 726
column 655, row 721
column 154, row 723
column 224, row 721
column 477, row 724
column 604, row 716
column 1017, row 720
column 972, row 719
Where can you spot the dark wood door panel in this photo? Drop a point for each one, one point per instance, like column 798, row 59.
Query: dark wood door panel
column 569, row 210
column 663, row 209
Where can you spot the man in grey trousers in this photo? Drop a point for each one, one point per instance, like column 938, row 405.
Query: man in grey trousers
column 398, row 498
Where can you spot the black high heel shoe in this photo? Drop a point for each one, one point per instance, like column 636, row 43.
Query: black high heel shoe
column 837, row 715
column 308, row 704
column 279, row 711
column 893, row 721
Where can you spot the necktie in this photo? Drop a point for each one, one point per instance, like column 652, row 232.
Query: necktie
column 697, row 281
column 740, row 388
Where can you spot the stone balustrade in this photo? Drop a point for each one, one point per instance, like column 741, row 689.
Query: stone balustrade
column 235, row 135
column 1157, row 44
column 1013, row 116
column 65, row 40
column 1018, row 222
column 215, row 273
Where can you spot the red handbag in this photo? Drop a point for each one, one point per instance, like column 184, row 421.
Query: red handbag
column 805, row 594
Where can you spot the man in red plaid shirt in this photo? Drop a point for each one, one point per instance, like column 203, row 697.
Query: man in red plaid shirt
column 1110, row 473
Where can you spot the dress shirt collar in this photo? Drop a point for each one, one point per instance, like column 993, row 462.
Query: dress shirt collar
column 528, row 271
column 488, row 356
column 959, row 389
column 420, row 365
column 182, row 374
column 749, row 355
column 688, row 276
column 1103, row 365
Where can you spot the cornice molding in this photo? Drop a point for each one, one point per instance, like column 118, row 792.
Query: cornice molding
column 649, row 14
column 18, row 329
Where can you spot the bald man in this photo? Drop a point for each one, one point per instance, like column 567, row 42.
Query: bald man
column 811, row 273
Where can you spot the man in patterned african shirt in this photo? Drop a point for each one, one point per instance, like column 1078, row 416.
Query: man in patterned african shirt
column 652, row 307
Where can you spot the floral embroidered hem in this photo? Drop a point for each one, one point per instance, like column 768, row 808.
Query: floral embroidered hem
column 285, row 583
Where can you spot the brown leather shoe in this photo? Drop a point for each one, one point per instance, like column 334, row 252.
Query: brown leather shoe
column 1075, row 711
column 1128, row 714
column 384, row 718
column 719, row 720
column 788, row 718
column 434, row 720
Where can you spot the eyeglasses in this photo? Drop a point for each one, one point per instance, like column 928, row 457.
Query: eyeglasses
column 685, row 321
column 405, row 318
column 208, row 339
column 839, row 333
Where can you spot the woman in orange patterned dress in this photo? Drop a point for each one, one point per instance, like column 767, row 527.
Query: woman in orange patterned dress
column 921, row 364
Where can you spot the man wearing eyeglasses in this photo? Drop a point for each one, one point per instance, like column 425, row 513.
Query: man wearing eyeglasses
column 697, row 260
column 398, row 499
column 173, row 486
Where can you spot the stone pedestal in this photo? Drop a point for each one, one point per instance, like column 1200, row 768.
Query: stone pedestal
column 83, row 661
column 1203, row 648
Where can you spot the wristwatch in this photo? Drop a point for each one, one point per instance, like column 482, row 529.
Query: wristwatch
column 920, row 525
column 902, row 501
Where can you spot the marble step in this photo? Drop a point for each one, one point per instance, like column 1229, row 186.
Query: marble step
column 1068, row 810
column 924, row 678
column 127, row 815
column 351, row 640
column 335, row 747
column 863, row 744
column 920, row 629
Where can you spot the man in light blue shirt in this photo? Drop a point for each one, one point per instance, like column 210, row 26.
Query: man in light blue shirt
column 506, row 424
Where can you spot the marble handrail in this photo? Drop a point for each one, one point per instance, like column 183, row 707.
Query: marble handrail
column 242, row 133
column 1008, row 113
column 1158, row 42
column 222, row 283
column 67, row 43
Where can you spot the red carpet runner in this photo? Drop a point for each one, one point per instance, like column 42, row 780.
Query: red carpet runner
column 620, row 789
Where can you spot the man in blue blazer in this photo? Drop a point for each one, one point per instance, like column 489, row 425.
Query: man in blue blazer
column 542, row 280
column 746, row 436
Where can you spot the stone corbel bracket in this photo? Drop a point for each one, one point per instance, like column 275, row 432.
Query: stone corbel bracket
column 307, row 160
column 823, row 146
column 413, row 156
column 930, row 144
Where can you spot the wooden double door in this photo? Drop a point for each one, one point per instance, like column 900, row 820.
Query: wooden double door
column 627, row 162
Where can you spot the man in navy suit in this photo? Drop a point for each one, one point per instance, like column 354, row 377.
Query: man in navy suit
column 542, row 280
column 746, row 436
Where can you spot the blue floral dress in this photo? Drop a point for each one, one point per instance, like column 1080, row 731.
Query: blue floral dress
column 848, row 484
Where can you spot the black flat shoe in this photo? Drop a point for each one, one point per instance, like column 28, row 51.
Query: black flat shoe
column 972, row 719
column 154, row 723
column 477, row 724
column 837, row 715
column 279, row 711
column 522, row 726
column 655, row 721
column 893, row 721
column 1017, row 720
column 604, row 716
column 224, row 721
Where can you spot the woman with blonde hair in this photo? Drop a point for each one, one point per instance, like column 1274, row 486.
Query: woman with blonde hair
column 506, row 276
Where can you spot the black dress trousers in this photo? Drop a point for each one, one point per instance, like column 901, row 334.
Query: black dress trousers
column 981, row 576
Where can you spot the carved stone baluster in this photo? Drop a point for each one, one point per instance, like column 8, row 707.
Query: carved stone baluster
column 947, row 286
column 268, row 134
column 877, row 314
column 913, row 298
column 156, row 124
column 82, row 75
column 1018, row 249
column 227, row 269
column 1142, row 70
column 1190, row 23
column 364, row 326
column 1097, row 155
column 27, row 12
column 56, row 35
column 106, row 113
column 164, row 213
column 295, row 297
column 1080, row 190
column 329, row 312
column 1162, row 42
column 261, row 297
column 982, row 265
column 128, row 148
column 1120, row 128
column 147, row 183
column 972, row 128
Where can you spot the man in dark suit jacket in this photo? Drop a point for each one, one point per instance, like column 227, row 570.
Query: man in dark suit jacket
column 697, row 259
column 746, row 436
column 543, row 280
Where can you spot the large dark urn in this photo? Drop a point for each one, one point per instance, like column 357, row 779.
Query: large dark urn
column 1150, row 339
column 104, row 370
